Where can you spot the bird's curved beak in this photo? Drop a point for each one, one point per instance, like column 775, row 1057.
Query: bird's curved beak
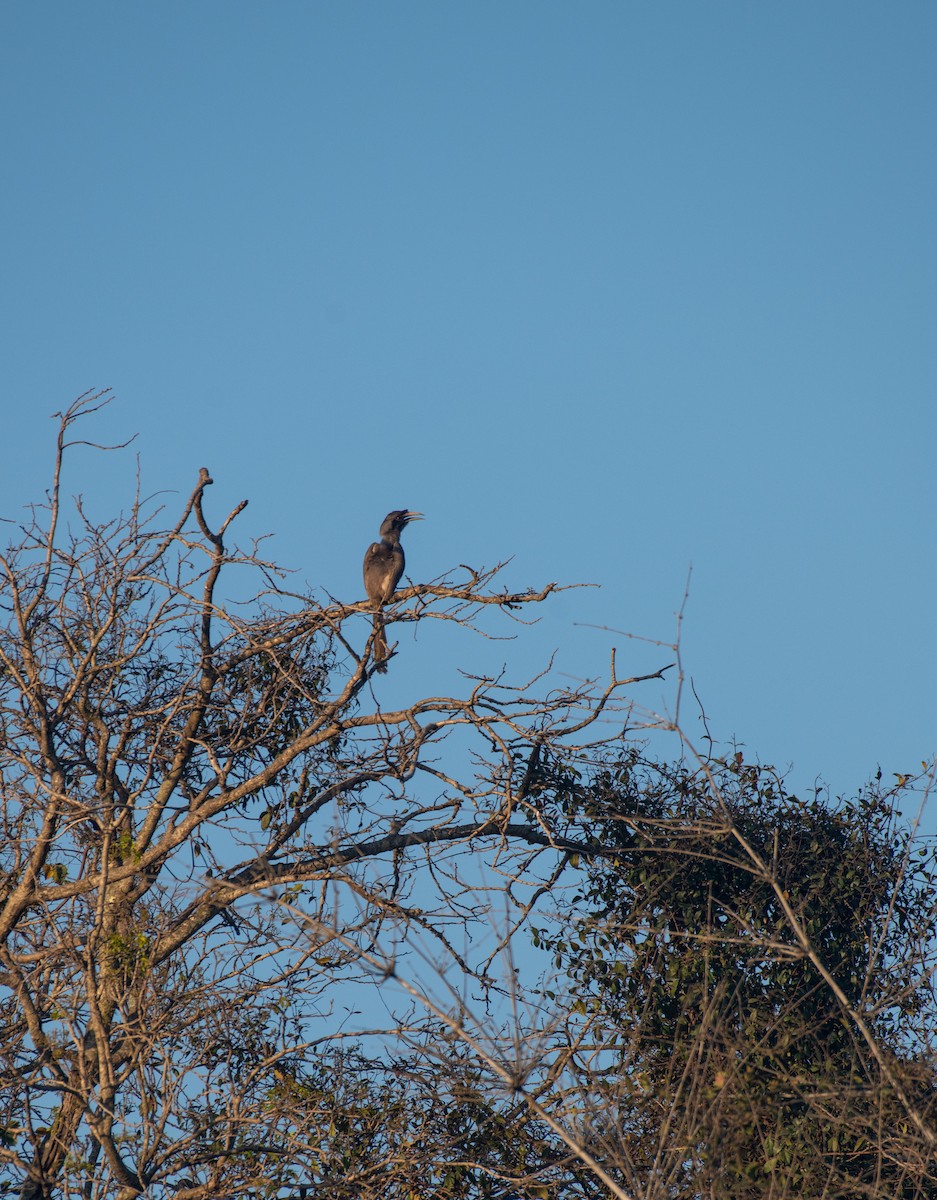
column 413, row 516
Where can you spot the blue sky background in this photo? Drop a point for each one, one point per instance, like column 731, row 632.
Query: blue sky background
column 611, row 288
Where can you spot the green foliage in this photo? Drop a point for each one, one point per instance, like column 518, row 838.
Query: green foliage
column 128, row 952
column 687, row 959
column 357, row 1129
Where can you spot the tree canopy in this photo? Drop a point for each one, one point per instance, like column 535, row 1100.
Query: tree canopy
column 762, row 968
column 219, row 848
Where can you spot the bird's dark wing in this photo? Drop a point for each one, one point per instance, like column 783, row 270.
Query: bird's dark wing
column 383, row 567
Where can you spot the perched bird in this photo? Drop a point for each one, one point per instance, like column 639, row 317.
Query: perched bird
column 383, row 566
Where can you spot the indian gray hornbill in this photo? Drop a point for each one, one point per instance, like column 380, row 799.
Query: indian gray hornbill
column 383, row 567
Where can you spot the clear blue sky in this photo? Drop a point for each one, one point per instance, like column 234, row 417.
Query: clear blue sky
column 612, row 288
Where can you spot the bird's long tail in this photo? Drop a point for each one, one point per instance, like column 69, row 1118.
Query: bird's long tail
column 380, row 643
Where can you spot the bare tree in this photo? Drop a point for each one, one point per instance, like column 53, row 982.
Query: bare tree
column 168, row 753
column 214, row 836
